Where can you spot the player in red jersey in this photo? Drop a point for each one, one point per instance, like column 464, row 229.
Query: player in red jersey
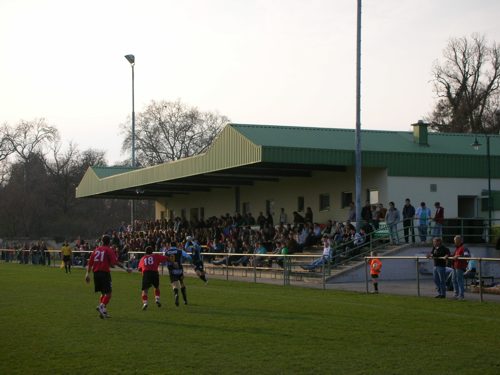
column 100, row 261
column 150, row 277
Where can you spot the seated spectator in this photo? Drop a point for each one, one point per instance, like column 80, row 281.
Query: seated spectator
column 281, row 249
column 259, row 249
column 329, row 229
column 304, row 237
column 316, row 234
column 292, row 244
column 338, row 234
column 244, row 259
column 325, row 257
column 470, row 271
column 230, row 248
column 355, row 241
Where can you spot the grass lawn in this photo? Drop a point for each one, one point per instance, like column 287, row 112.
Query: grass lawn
column 49, row 326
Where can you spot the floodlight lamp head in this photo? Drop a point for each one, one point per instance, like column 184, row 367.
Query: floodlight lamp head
column 130, row 59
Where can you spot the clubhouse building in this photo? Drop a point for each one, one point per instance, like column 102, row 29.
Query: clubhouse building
column 260, row 168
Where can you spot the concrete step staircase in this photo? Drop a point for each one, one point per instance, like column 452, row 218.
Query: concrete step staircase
column 358, row 262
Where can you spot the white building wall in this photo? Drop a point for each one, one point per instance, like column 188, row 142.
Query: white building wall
column 418, row 189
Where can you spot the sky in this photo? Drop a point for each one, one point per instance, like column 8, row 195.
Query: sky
column 280, row 62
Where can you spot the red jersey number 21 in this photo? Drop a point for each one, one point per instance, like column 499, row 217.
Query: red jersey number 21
column 99, row 256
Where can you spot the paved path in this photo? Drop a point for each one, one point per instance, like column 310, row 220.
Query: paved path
column 397, row 287
column 409, row 288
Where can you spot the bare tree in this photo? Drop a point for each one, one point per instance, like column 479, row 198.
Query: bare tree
column 467, row 84
column 5, row 144
column 29, row 137
column 167, row 131
column 63, row 170
column 5, row 152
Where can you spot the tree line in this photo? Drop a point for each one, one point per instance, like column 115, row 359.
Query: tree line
column 38, row 176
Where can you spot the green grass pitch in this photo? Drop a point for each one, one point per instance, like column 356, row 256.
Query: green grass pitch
column 49, row 326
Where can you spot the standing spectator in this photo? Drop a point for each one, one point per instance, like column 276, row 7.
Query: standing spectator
column 297, row 218
column 437, row 231
column 459, row 267
column 351, row 215
column 440, row 255
column 261, row 220
column 376, row 216
column 100, row 261
column 382, row 210
column 392, row 219
column 366, row 213
column 269, row 220
column 283, row 217
column 309, row 215
column 375, row 269
column 408, row 215
column 423, row 214
column 66, row 254
column 148, row 265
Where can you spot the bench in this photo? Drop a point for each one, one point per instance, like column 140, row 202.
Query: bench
column 381, row 232
column 475, row 281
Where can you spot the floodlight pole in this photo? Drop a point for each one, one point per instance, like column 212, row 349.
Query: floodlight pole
column 131, row 60
column 358, row 122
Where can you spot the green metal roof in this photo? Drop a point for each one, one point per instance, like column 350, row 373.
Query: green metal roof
column 371, row 140
column 241, row 146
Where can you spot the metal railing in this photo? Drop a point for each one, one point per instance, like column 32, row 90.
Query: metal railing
column 416, row 259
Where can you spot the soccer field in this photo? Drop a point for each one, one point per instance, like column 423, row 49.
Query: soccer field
column 50, row 326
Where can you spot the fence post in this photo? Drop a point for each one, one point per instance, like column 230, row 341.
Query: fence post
column 324, row 275
column 285, row 269
column 254, row 269
column 480, row 280
column 289, row 271
column 418, row 277
column 366, row 275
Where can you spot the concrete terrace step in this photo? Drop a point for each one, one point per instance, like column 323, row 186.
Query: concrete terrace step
column 351, row 265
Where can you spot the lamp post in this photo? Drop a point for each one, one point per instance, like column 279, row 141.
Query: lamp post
column 357, row 138
column 476, row 146
column 131, row 60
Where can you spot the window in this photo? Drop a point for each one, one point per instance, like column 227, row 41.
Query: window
column 345, row 199
column 300, row 204
column 324, row 202
column 434, row 188
column 373, row 196
column 183, row 214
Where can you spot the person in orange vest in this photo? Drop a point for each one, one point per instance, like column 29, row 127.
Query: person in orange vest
column 375, row 269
